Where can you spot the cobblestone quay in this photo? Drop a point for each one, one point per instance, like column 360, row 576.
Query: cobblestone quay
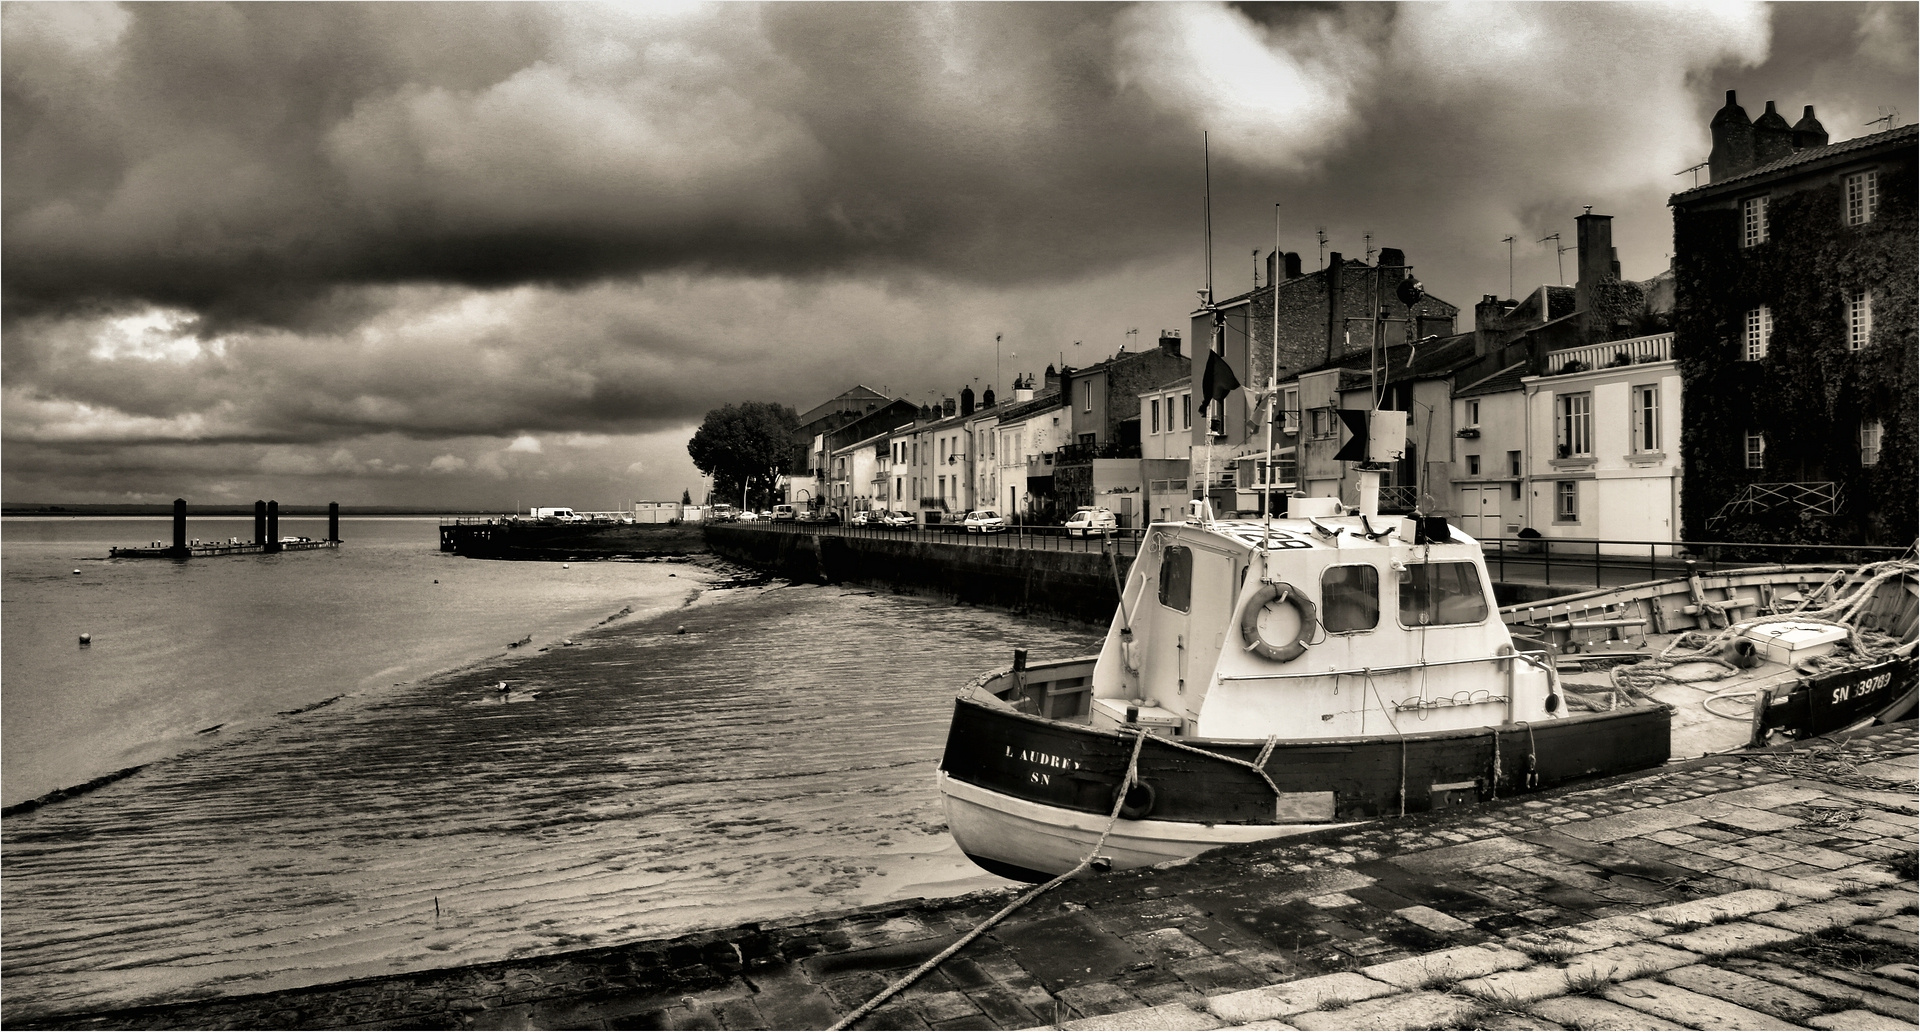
column 1765, row 890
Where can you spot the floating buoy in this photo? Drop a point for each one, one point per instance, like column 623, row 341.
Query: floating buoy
column 76, row 573
column 681, row 630
column 563, row 566
column 436, row 582
column 85, row 639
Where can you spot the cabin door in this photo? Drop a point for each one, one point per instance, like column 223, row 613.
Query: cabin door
column 1480, row 512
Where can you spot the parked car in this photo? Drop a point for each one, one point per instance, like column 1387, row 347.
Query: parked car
column 785, row 513
column 898, row 518
column 747, row 516
column 1090, row 519
column 858, row 519
column 983, row 521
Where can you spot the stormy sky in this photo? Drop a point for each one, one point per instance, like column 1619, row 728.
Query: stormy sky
column 473, row 255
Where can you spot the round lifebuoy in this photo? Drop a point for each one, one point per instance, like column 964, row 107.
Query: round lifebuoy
column 1139, row 801
column 1283, row 651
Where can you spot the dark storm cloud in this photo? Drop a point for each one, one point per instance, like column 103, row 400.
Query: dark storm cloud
column 394, row 241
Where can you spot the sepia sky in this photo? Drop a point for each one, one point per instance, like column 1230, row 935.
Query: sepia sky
column 477, row 256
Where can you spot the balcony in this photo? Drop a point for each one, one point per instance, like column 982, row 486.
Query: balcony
column 1657, row 348
column 1082, row 454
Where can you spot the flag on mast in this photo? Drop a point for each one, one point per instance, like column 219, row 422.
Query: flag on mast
column 1218, row 381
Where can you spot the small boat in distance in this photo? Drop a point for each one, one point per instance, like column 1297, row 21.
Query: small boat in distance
column 1265, row 678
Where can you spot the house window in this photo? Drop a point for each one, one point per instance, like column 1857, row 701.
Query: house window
column 1514, row 492
column 1863, row 197
column 1756, row 450
column 1758, row 335
column 1350, row 599
column 1441, row 593
column 1290, row 410
column 1186, row 411
column 896, row 489
column 1566, row 501
column 1859, row 319
column 1154, row 407
column 1646, row 418
column 1086, row 396
column 1473, row 465
column 1473, row 412
column 1573, row 433
column 1753, row 221
column 1870, row 431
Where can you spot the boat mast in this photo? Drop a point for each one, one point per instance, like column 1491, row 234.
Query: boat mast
column 1273, row 377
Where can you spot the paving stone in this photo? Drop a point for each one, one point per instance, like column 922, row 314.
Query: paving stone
column 1719, row 908
column 1432, row 920
column 1409, row 1011
column 1332, row 900
column 1746, row 990
column 1874, row 984
column 1514, row 1021
column 1285, row 1000
column 1814, row 918
column 1762, row 797
column 1765, row 861
column 1589, row 936
column 1689, row 1008
column 1452, row 859
column 1827, row 989
column 1211, row 975
column 1632, row 960
column 1598, row 1015
column 1720, row 940
column 996, row 1003
column 1859, row 1021
column 1173, row 1016
column 1631, row 824
column 1448, row 966
column 944, row 1006
column 1856, row 878
column 1672, row 838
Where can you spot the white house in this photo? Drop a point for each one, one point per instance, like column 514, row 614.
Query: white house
column 1603, row 444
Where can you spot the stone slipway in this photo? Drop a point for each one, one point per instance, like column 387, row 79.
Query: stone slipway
column 1768, row 890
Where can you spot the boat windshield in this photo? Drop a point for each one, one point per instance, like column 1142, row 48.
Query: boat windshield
column 1441, row 593
column 1349, row 598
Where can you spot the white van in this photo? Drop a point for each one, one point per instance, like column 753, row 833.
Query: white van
column 785, row 512
column 558, row 515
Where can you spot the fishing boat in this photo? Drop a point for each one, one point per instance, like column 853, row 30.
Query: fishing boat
column 1272, row 677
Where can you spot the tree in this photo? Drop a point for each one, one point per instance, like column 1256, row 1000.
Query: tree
column 686, row 497
column 746, row 446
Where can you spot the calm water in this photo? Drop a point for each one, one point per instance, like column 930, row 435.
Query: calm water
column 764, row 752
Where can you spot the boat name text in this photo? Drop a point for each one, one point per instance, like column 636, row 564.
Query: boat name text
column 1044, row 760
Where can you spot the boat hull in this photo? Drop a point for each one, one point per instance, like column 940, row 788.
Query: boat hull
column 1027, row 796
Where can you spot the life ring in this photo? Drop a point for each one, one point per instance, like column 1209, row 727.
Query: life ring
column 1250, row 622
column 1139, row 801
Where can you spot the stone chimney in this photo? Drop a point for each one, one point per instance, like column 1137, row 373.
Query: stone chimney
column 926, row 413
column 1489, row 322
column 1732, row 142
column 1772, row 137
column 946, row 408
column 1271, row 256
column 1336, row 316
column 986, row 398
column 1293, row 264
column 1392, row 258
column 1170, row 343
column 1022, row 390
column 1595, row 249
column 1052, row 380
column 966, row 401
column 1808, row 132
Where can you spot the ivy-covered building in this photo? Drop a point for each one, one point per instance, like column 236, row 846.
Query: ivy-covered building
column 1794, row 334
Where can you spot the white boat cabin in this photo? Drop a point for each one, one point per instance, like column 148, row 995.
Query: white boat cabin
column 1312, row 627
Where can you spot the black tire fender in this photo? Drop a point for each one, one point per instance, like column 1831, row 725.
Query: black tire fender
column 1282, row 652
column 1139, row 801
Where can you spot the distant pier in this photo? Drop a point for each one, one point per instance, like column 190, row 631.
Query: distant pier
column 266, row 537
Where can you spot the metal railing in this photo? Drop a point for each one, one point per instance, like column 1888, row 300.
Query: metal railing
column 1656, row 348
column 1034, row 538
column 1610, row 562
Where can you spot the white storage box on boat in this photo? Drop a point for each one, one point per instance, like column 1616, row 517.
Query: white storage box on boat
column 1112, row 714
column 1788, row 641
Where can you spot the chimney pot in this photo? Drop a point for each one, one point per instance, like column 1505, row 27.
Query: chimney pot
column 1293, row 264
column 1733, row 142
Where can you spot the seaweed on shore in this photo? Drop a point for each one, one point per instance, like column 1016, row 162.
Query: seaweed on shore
column 62, row 794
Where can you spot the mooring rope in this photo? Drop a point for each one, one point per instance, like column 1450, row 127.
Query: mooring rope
column 1119, row 800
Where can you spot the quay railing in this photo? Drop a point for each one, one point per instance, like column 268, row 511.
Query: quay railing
column 1610, row 562
column 1036, row 538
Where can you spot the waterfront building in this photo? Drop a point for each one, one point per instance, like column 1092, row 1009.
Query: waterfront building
column 1166, row 447
column 1030, row 427
column 1794, row 334
column 854, row 481
column 982, row 461
column 1099, row 464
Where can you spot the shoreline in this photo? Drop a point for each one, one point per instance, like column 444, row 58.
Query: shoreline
column 735, row 575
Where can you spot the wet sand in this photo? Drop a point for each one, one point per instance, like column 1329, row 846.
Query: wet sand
column 766, row 751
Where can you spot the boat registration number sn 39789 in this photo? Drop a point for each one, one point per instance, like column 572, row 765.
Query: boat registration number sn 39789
column 1844, row 692
column 1040, row 759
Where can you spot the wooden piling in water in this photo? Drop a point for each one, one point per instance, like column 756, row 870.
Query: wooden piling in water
column 180, row 528
column 333, row 521
column 273, row 526
column 260, row 524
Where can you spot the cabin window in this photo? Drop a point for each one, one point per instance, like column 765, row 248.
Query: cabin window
column 1176, row 578
column 1441, row 593
column 1350, row 598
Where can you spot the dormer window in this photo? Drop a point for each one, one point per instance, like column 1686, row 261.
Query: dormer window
column 1753, row 221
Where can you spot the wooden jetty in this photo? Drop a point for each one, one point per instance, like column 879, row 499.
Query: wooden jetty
column 266, row 537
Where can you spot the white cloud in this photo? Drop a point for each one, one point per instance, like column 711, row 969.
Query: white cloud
column 447, row 464
column 525, row 443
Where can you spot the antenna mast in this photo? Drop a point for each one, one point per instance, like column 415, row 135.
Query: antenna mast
column 1206, row 158
column 1273, row 385
column 1509, row 242
column 1559, row 264
column 1322, row 231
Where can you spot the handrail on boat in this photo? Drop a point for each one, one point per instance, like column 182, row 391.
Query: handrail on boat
column 1536, row 659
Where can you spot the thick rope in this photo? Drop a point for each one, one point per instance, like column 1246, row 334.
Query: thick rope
column 1119, row 800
